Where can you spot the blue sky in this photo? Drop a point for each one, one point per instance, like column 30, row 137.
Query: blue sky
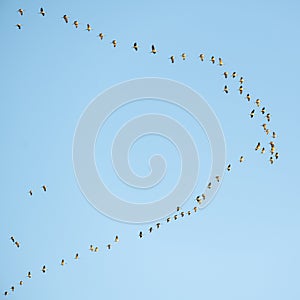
column 244, row 245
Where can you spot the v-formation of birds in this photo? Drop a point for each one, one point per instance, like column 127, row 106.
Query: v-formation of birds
column 199, row 199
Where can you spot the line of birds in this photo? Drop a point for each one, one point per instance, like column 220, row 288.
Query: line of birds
column 199, row 199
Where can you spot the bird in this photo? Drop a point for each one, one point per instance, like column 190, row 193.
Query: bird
column 66, row 18
column 183, row 55
column 101, row 36
column 116, row 239
column 153, row 49
column 168, row 220
column 229, row 167
column 12, row 238
column 195, row 208
column 226, row 90
column 114, row 42
column 212, row 59
column 141, row 234
column 157, row 225
column 135, row 46
column 21, row 282
column 268, row 116
column 150, row 229
column 276, row 155
column 263, row 110
column 21, row 11
column 267, row 131
column 44, row 269
column 108, row 246
column 234, row 74
column 242, row 80
column 5, row 293
column 242, row 159
column 44, row 188
column 17, row 244
column 252, row 113
column 96, row 249
column 76, row 256
column 274, row 135
column 178, row 208
column 264, row 126
column 198, row 199
column 272, row 150
column 29, row 275
column 76, row 24
column 263, row 150
column 257, row 146
column 209, row 185
column 182, row 214
column 91, row 248
column 218, row 178
column 175, row 217
column 248, row 97
column 241, row 89
column 203, row 196
column 19, row 26
column 172, row 59
column 88, row 27
column 225, row 74
column 42, row 12
column 12, row 288
column 271, row 160
column 220, row 62
column 257, row 102
column 201, row 56
column 62, row 263
column 189, row 213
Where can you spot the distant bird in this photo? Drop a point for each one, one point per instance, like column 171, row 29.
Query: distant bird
column 229, row 167
column 175, row 217
column 274, row 135
column 189, row 213
column 19, row 26
column 271, row 160
column 88, row 27
column 242, row 159
column 29, row 275
column 21, row 282
column 114, row 42
column 135, row 46
column 268, row 116
column 218, row 178
column 12, row 288
column 195, row 208
column 44, row 269
column 225, row 74
column 212, row 59
column 241, row 89
column 108, row 246
column 157, row 225
column 183, row 56
column 5, row 293
column 226, row 90
column 178, row 208
column 141, row 234
column 21, row 11
column 42, row 12
column 272, row 150
column 264, row 126
column 96, row 249
column 234, row 74
column 248, row 97
column 17, row 244
column 203, row 196
column 198, row 199
column 263, row 110
column 153, row 49
column 209, row 185
column 263, row 150
column 91, row 248
column 62, row 263
column 101, row 36
column 44, row 188
column 242, row 80
column 267, row 131
column 66, row 18
column 272, row 144
column 116, row 239
column 276, row 155
column 182, row 214
column 257, row 146
column 76, row 256
column 201, row 57
column 220, row 62
column 76, row 24
column 150, row 229
column 257, row 102
column 12, row 239
column 252, row 113
column 172, row 58
column 168, row 220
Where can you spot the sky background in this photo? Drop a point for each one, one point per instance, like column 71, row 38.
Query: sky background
column 245, row 245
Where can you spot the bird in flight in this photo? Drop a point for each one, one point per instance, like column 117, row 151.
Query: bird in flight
column 21, row 11
column 42, row 12
column 19, row 26
column 66, row 18
column 135, row 46
column 201, row 56
column 153, row 49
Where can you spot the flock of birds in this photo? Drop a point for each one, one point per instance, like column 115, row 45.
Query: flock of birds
column 199, row 199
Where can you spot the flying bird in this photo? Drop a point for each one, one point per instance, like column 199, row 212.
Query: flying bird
column 226, row 90
column 157, row 225
column 88, row 27
column 21, row 282
column 44, row 188
column 263, row 150
column 257, row 146
column 62, row 263
column 195, row 208
column 21, row 11
column 101, row 36
column 76, row 24
column 172, row 59
column 42, row 12
column 234, row 74
column 257, row 102
column 218, row 178
column 19, row 26
column 248, row 97
column 225, row 74
column 201, row 56
column 268, row 116
column 212, row 59
column 150, row 229
column 12, row 239
column 116, row 239
column 220, row 62
column 153, row 49
column 135, row 46
column 242, row 80
column 263, row 110
column 76, row 256
column 271, row 160
column 91, row 248
column 229, row 167
column 141, row 234
column 66, row 18
column 108, row 246
column 242, row 159
column 44, row 269
column 114, row 42
column 183, row 55
column 274, row 135
column 241, row 89
column 29, row 275
column 276, row 155
column 252, row 113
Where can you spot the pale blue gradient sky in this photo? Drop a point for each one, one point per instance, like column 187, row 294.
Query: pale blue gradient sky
column 245, row 245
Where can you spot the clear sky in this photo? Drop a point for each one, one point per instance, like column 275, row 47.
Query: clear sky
column 245, row 245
